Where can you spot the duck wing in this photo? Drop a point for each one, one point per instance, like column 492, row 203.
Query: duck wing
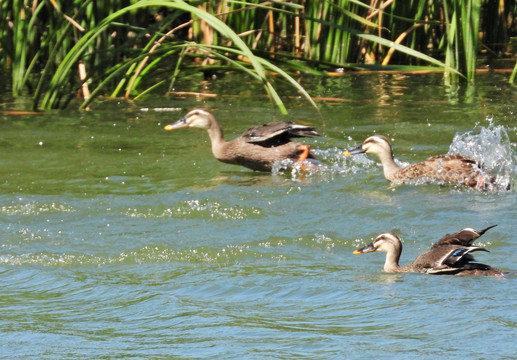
column 455, row 259
column 444, row 258
column 280, row 132
column 464, row 237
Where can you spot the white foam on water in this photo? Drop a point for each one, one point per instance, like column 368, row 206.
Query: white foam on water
column 490, row 146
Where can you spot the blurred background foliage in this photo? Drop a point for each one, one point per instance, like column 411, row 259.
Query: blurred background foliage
column 130, row 48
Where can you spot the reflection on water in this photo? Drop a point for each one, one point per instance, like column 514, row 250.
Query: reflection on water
column 121, row 240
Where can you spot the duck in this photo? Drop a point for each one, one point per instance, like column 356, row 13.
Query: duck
column 258, row 148
column 452, row 169
column 450, row 255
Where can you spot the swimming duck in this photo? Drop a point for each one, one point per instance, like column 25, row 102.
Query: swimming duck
column 446, row 168
column 258, row 148
column 451, row 255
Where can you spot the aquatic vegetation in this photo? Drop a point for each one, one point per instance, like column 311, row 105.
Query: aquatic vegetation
column 146, row 46
column 514, row 74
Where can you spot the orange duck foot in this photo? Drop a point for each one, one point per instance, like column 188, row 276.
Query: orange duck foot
column 480, row 185
column 304, row 155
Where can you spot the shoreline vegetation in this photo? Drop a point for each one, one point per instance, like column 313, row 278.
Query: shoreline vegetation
column 53, row 50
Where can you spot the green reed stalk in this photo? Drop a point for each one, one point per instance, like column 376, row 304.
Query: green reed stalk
column 462, row 27
column 513, row 75
column 470, row 13
column 450, row 32
column 20, row 45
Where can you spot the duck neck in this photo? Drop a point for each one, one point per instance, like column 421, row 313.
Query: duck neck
column 216, row 137
column 392, row 260
column 389, row 166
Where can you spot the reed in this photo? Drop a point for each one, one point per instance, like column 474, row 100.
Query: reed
column 513, row 75
column 462, row 27
column 126, row 44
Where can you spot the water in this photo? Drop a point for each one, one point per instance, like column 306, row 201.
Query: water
column 122, row 240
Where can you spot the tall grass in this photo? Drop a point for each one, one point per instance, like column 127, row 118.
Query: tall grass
column 127, row 44
column 462, row 26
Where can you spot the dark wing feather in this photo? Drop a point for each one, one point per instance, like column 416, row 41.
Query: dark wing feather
column 461, row 256
column 464, row 237
column 455, row 259
column 280, row 131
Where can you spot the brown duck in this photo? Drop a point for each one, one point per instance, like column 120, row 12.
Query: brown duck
column 451, row 255
column 456, row 169
column 258, row 148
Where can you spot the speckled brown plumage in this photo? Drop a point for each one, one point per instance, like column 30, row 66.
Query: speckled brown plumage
column 444, row 258
column 455, row 169
column 258, row 148
column 446, row 168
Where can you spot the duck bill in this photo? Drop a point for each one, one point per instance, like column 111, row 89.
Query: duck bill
column 354, row 151
column 366, row 249
column 177, row 125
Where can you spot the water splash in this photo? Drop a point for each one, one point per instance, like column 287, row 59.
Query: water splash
column 330, row 162
column 491, row 147
column 344, row 164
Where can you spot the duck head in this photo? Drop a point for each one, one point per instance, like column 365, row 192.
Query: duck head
column 377, row 145
column 386, row 242
column 196, row 118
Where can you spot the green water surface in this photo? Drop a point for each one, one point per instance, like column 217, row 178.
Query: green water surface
column 121, row 240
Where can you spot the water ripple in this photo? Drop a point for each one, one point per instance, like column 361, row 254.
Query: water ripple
column 273, row 249
column 35, row 208
column 195, row 209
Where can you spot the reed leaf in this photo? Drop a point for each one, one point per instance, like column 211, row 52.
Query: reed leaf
column 73, row 56
column 267, row 64
column 388, row 43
